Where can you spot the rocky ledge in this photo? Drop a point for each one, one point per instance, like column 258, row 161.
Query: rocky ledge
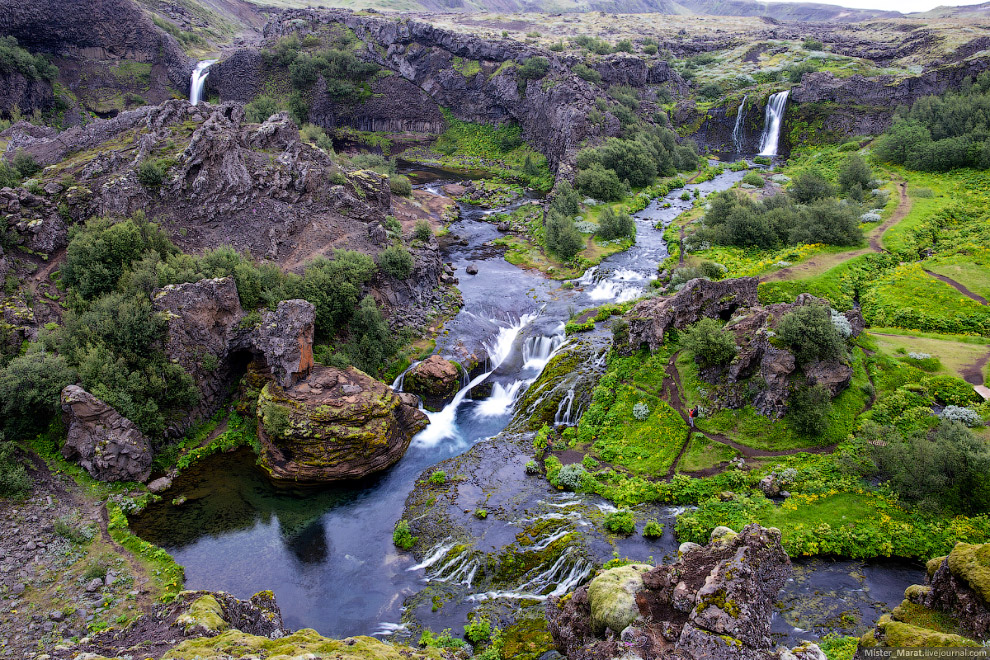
column 435, row 379
column 953, row 609
column 714, row 602
column 336, row 425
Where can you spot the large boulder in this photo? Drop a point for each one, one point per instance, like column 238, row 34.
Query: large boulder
column 435, row 379
column 106, row 444
column 284, row 341
column 335, row 425
column 715, row 602
column 650, row 319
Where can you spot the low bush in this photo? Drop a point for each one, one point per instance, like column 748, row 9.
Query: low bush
column 710, row 343
column 754, row 179
column 612, row 225
column 402, row 536
column 653, row 529
column 400, row 185
column 571, row 476
column 396, row 261
column 422, row 231
column 621, row 522
column 14, row 479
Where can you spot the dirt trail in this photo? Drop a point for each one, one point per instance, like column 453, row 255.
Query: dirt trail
column 958, row 287
column 973, row 374
column 822, row 263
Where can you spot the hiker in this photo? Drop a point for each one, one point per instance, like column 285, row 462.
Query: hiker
column 691, row 415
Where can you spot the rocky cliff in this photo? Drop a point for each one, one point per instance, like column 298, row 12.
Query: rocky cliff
column 104, row 49
column 714, row 602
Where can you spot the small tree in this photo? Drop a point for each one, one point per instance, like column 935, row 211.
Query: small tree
column 422, row 232
column 854, row 172
column 810, row 333
column 395, row 261
column 612, row 225
column 710, row 343
column 563, row 238
column 808, row 410
column 151, row 173
column 809, row 186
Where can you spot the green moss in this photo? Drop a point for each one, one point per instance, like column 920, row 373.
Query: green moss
column 237, row 644
column 972, row 563
column 204, row 616
column 898, row 634
column 720, row 600
column 526, row 640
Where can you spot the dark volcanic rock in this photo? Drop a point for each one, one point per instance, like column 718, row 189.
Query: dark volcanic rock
column 28, row 95
column 650, row 319
column 335, row 425
column 715, row 602
column 106, row 444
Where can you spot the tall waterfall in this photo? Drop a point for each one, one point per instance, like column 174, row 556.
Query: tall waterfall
column 737, row 132
column 198, row 79
column 772, row 121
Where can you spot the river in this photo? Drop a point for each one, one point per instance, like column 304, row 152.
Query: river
column 328, row 554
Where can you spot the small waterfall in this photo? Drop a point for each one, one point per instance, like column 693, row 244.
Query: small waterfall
column 563, row 416
column 537, row 351
column 737, row 132
column 500, row 401
column 773, row 119
column 198, row 80
column 619, row 286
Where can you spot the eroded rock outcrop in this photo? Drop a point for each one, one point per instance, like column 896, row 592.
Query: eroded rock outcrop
column 105, row 443
column 956, row 598
column 435, row 379
column 336, row 425
column 715, row 602
column 650, row 319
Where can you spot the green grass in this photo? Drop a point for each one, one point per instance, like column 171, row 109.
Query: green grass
column 964, row 269
column 955, row 356
column 899, row 238
column 702, row 454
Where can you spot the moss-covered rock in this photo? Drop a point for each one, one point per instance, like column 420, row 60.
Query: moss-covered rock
column 435, row 379
column 971, row 563
column 612, row 596
column 204, row 617
column 899, row 634
column 300, row 643
column 335, row 425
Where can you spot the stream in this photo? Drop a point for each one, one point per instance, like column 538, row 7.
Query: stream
column 328, row 554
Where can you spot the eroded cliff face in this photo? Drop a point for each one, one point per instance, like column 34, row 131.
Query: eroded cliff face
column 105, row 49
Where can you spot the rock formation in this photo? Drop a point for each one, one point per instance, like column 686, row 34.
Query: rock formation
column 650, row 319
column 715, row 602
column 107, row 445
column 333, row 426
column 953, row 609
column 435, row 379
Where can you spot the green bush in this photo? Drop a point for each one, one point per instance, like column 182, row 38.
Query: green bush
column 754, row 179
column 571, row 476
column 151, row 172
column 478, row 631
column 275, row 419
column 809, row 332
column 261, row 108
column 810, row 186
column 599, row 183
column 585, row 72
column 711, row 90
column 534, row 68
column 395, row 261
column 855, row 176
column 402, row 536
column 14, row 479
column 14, row 59
column 25, row 164
column 621, row 522
column 808, row 410
column 438, row 478
column 562, row 237
column 612, row 225
column 334, row 287
column 653, row 529
column 422, row 231
column 31, row 386
column 400, row 185
column 812, row 44
column 710, row 343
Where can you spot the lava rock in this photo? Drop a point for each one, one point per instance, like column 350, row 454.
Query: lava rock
column 435, row 379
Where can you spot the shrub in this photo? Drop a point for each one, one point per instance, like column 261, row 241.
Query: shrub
column 533, row 68
column 478, row 631
column 438, row 478
column 151, row 172
column 810, row 186
column 566, row 201
column 967, row 416
column 260, row 109
column 334, row 287
column 585, row 72
column 810, row 333
column 25, row 164
column 532, row 467
column 31, row 386
column 612, row 225
column 621, row 522
column 754, row 179
column 481, row 514
column 599, row 183
column 641, row 411
column 562, row 237
column 372, row 343
column 571, row 476
column 841, row 324
column 275, row 419
column 653, row 530
column 400, row 185
column 711, row 90
column 808, row 410
column 9, row 176
column 395, row 261
column 422, row 231
column 855, row 175
column 710, row 343
column 812, row 44
column 402, row 536
column 14, row 479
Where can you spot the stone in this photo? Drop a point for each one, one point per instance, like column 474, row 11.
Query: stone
column 160, row 485
column 106, row 444
column 94, row 585
column 335, row 425
column 612, row 597
column 471, row 269
column 715, row 602
column 284, row 341
column 435, row 379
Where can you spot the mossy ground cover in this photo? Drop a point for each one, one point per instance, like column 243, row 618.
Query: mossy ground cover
column 703, row 454
column 973, row 272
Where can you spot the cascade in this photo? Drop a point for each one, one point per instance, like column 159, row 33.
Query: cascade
column 737, row 131
column 773, row 120
column 198, row 80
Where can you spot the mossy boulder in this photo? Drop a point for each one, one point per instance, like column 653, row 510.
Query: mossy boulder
column 612, row 596
column 898, row 634
column 971, row 563
column 302, row 643
column 334, row 425
column 435, row 379
column 204, row 617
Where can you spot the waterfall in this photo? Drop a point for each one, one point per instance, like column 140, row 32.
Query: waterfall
column 563, row 416
column 537, row 351
column 773, row 119
column 737, row 132
column 198, row 80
